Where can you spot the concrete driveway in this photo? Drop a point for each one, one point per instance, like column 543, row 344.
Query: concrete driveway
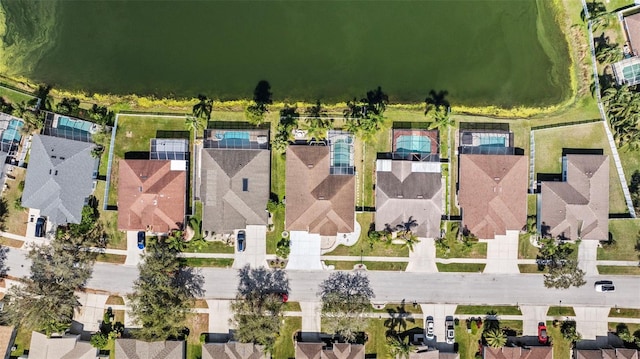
column 439, row 312
column 591, row 322
column 305, row 251
column 587, row 257
column 219, row 316
column 91, row 313
column 532, row 315
column 502, row 254
column 423, row 257
column 255, row 250
column 133, row 252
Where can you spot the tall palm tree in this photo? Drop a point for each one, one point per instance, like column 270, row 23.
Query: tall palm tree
column 443, row 119
column 316, row 110
column 399, row 348
column 42, row 101
column 203, row 108
column 175, row 241
column 317, row 127
column 495, row 338
column 436, row 100
column 194, row 123
column 376, row 101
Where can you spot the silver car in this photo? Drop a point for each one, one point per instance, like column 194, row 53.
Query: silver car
column 450, row 333
column 429, row 331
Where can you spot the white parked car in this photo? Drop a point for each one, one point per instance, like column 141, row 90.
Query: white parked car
column 604, row 286
column 430, row 331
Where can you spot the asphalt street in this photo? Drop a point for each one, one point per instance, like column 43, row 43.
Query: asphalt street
column 454, row 288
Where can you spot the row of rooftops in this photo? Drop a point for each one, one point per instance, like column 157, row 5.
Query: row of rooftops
column 233, row 184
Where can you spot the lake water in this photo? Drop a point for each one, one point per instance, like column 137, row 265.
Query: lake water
column 481, row 52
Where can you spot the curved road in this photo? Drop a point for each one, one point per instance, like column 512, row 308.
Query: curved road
column 452, row 288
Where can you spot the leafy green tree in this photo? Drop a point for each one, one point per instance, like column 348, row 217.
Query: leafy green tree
column 399, row 348
column 316, row 111
column 364, row 118
column 569, row 332
column 175, row 241
column 203, row 109
column 565, row 275
column 283, row 248
column 258, row 305
column 194, row 123
column 99, row 340
column 4, row 212
column 442, row 119
column 622, row 331
column 345, row 301
column 42, row 101
column 68, row 106
column 163, row 293
column 436, row 101
column 317, row 127
column 254, row 114
column 288, row 121
column 495, row 338
column 101, row 115
column 6, row 106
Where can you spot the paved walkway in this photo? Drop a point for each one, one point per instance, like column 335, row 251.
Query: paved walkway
column 502, row 254
column 423, row 257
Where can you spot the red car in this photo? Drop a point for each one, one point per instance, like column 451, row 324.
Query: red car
column 542, row 333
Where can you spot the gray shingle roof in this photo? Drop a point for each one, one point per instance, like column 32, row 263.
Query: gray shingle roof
column 68, row 347
column 226, row 205
column 59, row 178
column 581, row 204
column 233, row 350
column 138, row 349
column 403, row 194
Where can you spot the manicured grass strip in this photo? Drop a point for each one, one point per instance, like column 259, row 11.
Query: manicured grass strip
column 467, row 342
column 212, row 247
column 624, row 233
column 460, row 267
column 22, row 341
column 111, row 258
column 284, row 345
column 274, row 236
column 207, row 262
column 291, row 307
column 561, row 347
column 457, row 249
column 515, row 325
column 530, row 268
column 526, row 250
column 631, row 326
column 624, row 313
column 620, row 270
column 200, row 303
column 115, row 300
column 395, row 308
column 561, row 311
column 390, row 266
column 481, row 309
column 8, row 242
column 531, row 204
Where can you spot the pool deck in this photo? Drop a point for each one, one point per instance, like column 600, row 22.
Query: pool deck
column 433, row 135
column 258, row 139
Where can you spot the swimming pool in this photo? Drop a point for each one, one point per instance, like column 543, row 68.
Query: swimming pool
column 66, row 123
column 492, row 141
column 341, row 153
column 413, row 144
column 234, row 139
column 12, row 133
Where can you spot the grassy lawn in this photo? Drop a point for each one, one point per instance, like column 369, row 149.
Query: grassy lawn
column 212, row 247
column 619, row 270
column 467, row 342
column 530, row 268
column 631, row 326
column 291, row 307
column 561, row 347
column 397, row 307
column 8, row 242
column 111, row 258
column 22, row 342
column 558, row 311
column 390, row 266
column 274, row 236
column 364, row 247
column 109, row 221
column 134, row 135
column 460, row 267
column 481, row 309
column 365, row 162
column 624, row 313
column 197, row 323
column 526, row 250
column 625, row 234
column 115, row 300
column 515, row 325
column 284, row 346
column 549, row 145
column 532, row 204
column 630, row 161
column 14, row 96
column 457, row 249
column 207, row 262
column 16, row 220
column 377, row 343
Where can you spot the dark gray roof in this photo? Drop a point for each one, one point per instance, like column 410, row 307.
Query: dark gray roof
column 405, row 192
column 138, row 349
column 67, row 347
column 226, row 205
column 59, row 178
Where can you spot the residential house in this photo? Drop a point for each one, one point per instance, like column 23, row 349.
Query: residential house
column 336, row 351
column 492, row 181
column 235, row 171
column 64, row 347
column 627, row 70
column 7, row 337
column 530, row 352
column 10, row 137
column 577, row 207
column 152, row 193
column 613, row 353
column 138, row 349
column 409, row 184
column 60, row 178
column 426, row 353
column 320, row 186
column 234, row 350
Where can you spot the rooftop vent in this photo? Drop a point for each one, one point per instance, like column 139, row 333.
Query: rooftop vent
column 420, row 196
column 140, row 189
column 62, row 158
column 54, row 157
column 310, row 165
column 320, row 197
column 400, row 196
column 55, row 174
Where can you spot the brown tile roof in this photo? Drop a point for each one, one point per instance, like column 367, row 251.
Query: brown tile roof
column 317, row 201
column 226, row 205
column 518, row 353
column 233, row 350
column 138, row 349
column 402, row 194
column 581, row 203
column 6, row 340
column 339, row 351
column 632, row 24
column 493, row 193
column 150, row 193
column 618, row 353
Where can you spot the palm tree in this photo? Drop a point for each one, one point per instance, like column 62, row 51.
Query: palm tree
column 352, row 125
column 175, row 242
column 376, row 101
column 42, row 101
column 203, row 108
column 399, row 348
column 495, row 338
column 608, row 53
column 354, row 110
column 436, row 100
column 443, row 119
column 317, row 127
column 194, row 123
column 316, row 110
